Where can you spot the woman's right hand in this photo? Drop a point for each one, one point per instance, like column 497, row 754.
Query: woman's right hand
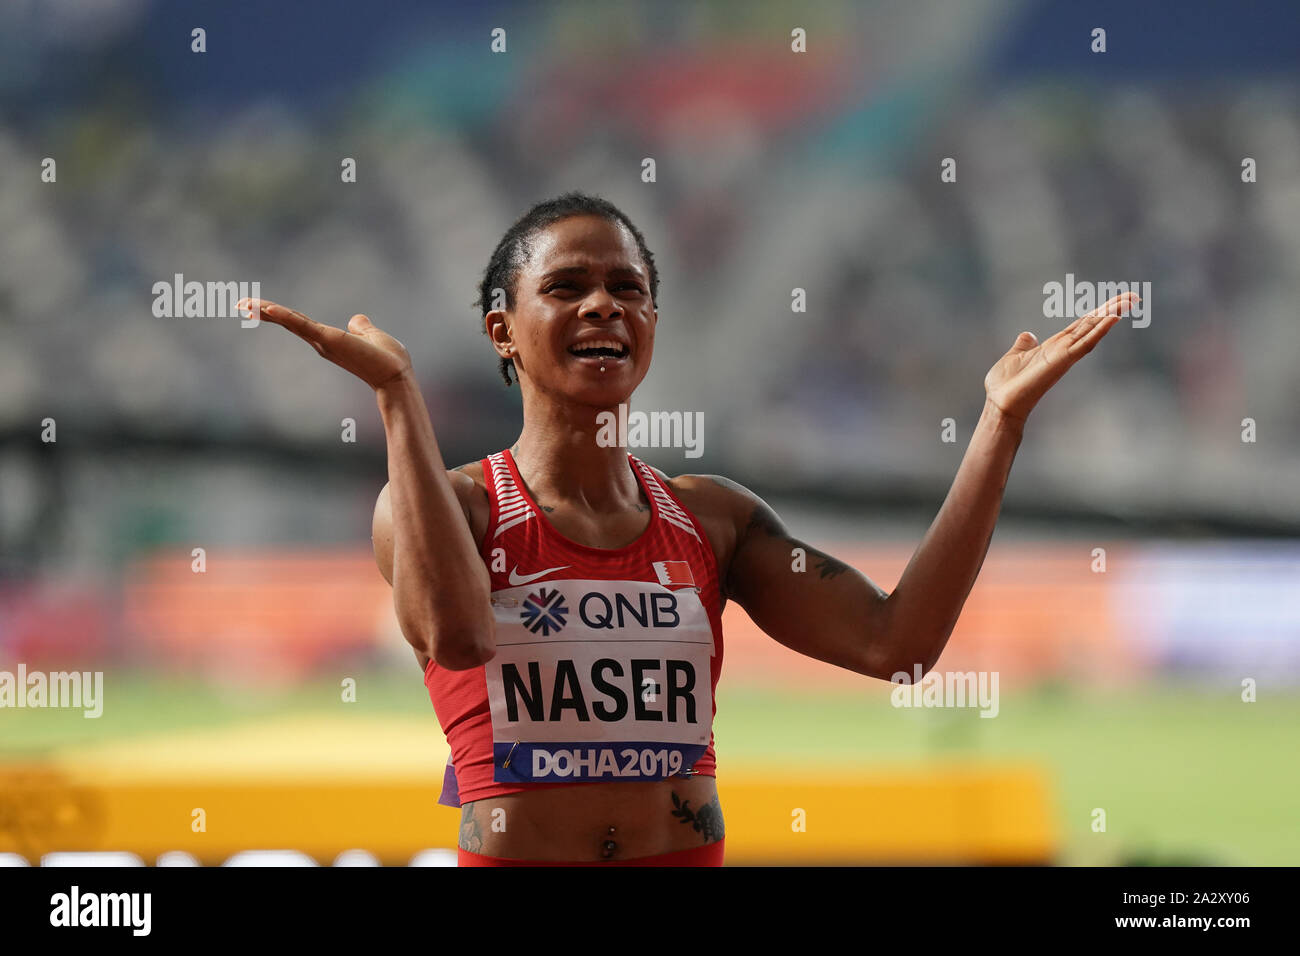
column 370, row 354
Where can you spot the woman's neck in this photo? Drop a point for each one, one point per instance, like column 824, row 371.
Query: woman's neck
column 561, row 459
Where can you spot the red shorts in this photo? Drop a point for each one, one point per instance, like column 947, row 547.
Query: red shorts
column 709, row 855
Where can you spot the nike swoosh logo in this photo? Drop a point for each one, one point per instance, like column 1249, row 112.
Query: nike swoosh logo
column 517, row 578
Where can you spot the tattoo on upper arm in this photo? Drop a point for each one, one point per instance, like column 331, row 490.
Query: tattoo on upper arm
column 707, row 820
column 827, row 566
column 763, row 520
column 471, row 837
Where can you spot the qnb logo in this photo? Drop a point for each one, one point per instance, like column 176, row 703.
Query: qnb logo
column 544, row 611
column 648, row 610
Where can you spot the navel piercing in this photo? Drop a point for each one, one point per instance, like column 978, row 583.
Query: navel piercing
column 609, row 846
column 602, row 368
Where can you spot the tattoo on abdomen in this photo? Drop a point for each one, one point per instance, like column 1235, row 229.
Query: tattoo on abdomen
column 471, row 838
column 706, row 820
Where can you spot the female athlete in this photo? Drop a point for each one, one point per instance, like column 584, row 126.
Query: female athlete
column 564, row 600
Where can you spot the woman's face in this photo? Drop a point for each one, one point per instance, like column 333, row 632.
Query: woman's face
column 582, row 301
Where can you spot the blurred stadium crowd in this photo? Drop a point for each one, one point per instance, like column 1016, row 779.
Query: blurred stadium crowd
column 774, row 172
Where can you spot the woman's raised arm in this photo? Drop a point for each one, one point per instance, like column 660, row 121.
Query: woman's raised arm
column 441, row 590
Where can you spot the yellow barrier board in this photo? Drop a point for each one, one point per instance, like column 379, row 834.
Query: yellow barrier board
column 322, row 786
column 991, row 814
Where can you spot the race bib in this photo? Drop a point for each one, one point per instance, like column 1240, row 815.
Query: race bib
column 599, row 680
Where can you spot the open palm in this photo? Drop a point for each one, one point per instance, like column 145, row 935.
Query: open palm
column 366, row 351
column 1022, row 376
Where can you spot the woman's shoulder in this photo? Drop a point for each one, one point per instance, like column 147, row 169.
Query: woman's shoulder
column 472, row 470
column 471, row 488
column 712, row 497
column 724, row 508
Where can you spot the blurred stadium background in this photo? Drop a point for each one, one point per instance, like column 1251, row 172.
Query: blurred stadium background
column 1120, row 690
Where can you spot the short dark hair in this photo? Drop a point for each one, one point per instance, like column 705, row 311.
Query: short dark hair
column 515, row 246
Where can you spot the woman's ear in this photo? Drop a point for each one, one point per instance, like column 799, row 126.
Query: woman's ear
column 498, row 330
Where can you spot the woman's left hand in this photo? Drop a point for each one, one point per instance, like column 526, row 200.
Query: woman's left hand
column 1024, row 374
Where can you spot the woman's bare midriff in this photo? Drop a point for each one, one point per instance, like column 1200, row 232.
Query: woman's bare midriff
column 595, row 822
